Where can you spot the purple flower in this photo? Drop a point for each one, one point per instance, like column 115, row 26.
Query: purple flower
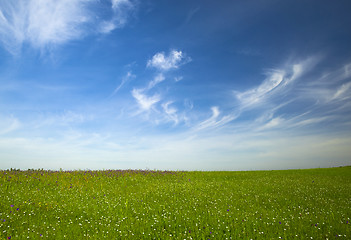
column 17, row 209
column 347, row 222
column 9, row 237
column 189, row 231
column 280, row 222
column 12, row 205
column 227, row 210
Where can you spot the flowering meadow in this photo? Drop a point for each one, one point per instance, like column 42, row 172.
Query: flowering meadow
column 138, row 204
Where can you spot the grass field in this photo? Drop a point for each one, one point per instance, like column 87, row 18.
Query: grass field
column 112, row 204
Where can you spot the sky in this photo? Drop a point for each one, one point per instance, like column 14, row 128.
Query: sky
column 175, row 85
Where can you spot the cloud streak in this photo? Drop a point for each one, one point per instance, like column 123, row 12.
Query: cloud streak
column 214, row 121
column 258, row 94
column 171, row 112
column 290, row 99
column 128, row 77
column 276, row 83
column 157, row 79
column 122, row 9
column 9, row 124
column 343, row 92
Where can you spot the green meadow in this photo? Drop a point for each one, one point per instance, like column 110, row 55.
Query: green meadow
column 137, row 204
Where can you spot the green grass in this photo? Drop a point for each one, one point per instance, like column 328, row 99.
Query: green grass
column 292, row 204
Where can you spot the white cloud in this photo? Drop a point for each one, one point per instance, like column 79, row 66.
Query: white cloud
column 67, row 118
column 299, row 69
column 41, row 22
column 165, row 63
column 145, row 102
column 341, row 93
column 213, row 121
column 158, row 78
column 12, row 24
column 55, row 21
column 256, row 95
column 336, row 76
column 129, row 76
column 46, row 23
column 171, row 112
column 107, row 27
column 275, row 122
column 177, row 79
column 140, row 94
column 9, row 124
column 191, row 14
column 118, row 4
column 188, row 104
column 308, row 121
column 328, row 89
column 121, row 12
column 276, row 82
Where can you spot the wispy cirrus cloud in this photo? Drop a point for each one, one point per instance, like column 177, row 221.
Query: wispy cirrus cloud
column 177, row 79
column 46, row 23
column 9, row 124
column 41, row 22
column 128, row 77
column 275, row 100
column 66, row 118
column 342, row 92
column 332, row 87
column 215, row 121
column 277, row 82
column 258, row 94
column 290, row 99
column 122, row 9
column 157, row 79
column 145, row 102
column 171, row 112
column 165, row 63
column 272, row 123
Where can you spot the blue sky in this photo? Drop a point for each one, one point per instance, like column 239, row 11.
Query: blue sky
column 176, row 85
